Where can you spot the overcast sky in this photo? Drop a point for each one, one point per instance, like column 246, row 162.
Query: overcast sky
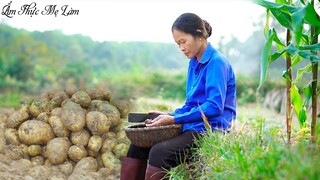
column 132, row 20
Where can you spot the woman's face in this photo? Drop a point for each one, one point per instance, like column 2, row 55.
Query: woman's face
column 189, row 45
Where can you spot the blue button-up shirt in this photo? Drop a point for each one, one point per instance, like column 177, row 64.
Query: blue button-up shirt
column 210, row 88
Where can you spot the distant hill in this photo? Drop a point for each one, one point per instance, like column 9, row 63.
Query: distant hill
column 51, row 55
column 102, row 54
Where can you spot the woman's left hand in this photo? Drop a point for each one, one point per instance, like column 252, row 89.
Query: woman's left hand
column 161, row 120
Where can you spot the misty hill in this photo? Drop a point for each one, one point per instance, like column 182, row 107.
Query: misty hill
column 107, row 56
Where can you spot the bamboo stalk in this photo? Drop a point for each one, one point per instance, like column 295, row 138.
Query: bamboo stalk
column 289, row 107
column 314, row 40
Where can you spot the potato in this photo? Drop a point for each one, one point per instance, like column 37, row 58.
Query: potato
column 99, row 94
column 92, row 153
column 23, row 108
column 94, row 106
column 70, row 90
column 106, row 173
column 81, row 137
column 111, row 112
column 3, row 118
column 118, row 128
column 56, row 111
column 66, row 168
column 37, row 161
column 108, row 144
column 124, row 106
column 35, row 132
column 77, row 152
column 122, row 137
column 73, row 116
column 57, row 150
column 95, row 143
column 12, row 136
column 38, row 106
column 24, row 151
column 110, row 161
column 47, row 163
column 34, row 150
column 85, row 165
column 99, row 161
column 97, row 122
column 44, row 151
column 57, row 99
column 44, row 116
column 48, row 94
column 17, row 118
column 120, row 150
column 82, row 98
column 57, row 126
column 109, row 135
column 25, row 102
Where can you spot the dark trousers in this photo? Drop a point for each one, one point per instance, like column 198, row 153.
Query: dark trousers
column 167, row 154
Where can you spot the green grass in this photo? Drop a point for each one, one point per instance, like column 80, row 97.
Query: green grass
column 251, row 154
column 10, row 99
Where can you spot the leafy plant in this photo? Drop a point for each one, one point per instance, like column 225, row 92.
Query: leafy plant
column 299, row 44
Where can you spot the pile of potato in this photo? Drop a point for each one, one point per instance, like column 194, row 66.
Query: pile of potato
column 80, row 131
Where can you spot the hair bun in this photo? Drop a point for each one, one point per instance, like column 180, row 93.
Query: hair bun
column 208, row 28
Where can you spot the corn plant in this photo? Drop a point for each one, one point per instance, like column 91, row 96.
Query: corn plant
column 302, row 25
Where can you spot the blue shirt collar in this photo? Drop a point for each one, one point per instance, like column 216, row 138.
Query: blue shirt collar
column 206, row 55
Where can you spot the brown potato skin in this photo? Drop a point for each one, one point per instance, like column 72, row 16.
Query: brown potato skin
column 35, row 132
column 57, row 150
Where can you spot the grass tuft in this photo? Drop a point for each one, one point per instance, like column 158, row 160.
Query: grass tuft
column 255, row 153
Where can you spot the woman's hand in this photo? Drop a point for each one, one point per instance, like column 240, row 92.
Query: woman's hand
column 161, row 120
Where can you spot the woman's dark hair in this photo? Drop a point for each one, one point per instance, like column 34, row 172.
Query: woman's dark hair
column 192, row 24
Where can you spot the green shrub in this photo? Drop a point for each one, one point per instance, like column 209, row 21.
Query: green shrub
column 10, row 99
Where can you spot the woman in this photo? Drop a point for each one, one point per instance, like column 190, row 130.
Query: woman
column 210, row 89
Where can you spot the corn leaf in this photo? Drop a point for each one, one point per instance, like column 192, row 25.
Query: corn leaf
column 272, row 5
column 302, row 117
column 307, row 92
column 284, row 18
column 266, row 27
column 303, row 70
column 310, row 56
column 311, row 16
column 298, row 105
column 303, row 2
column 276, row 39
column 265, row 58
column 296, row 59
column 305, row 38
column 282, row 2
column 313, row 47
column 298, row 21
